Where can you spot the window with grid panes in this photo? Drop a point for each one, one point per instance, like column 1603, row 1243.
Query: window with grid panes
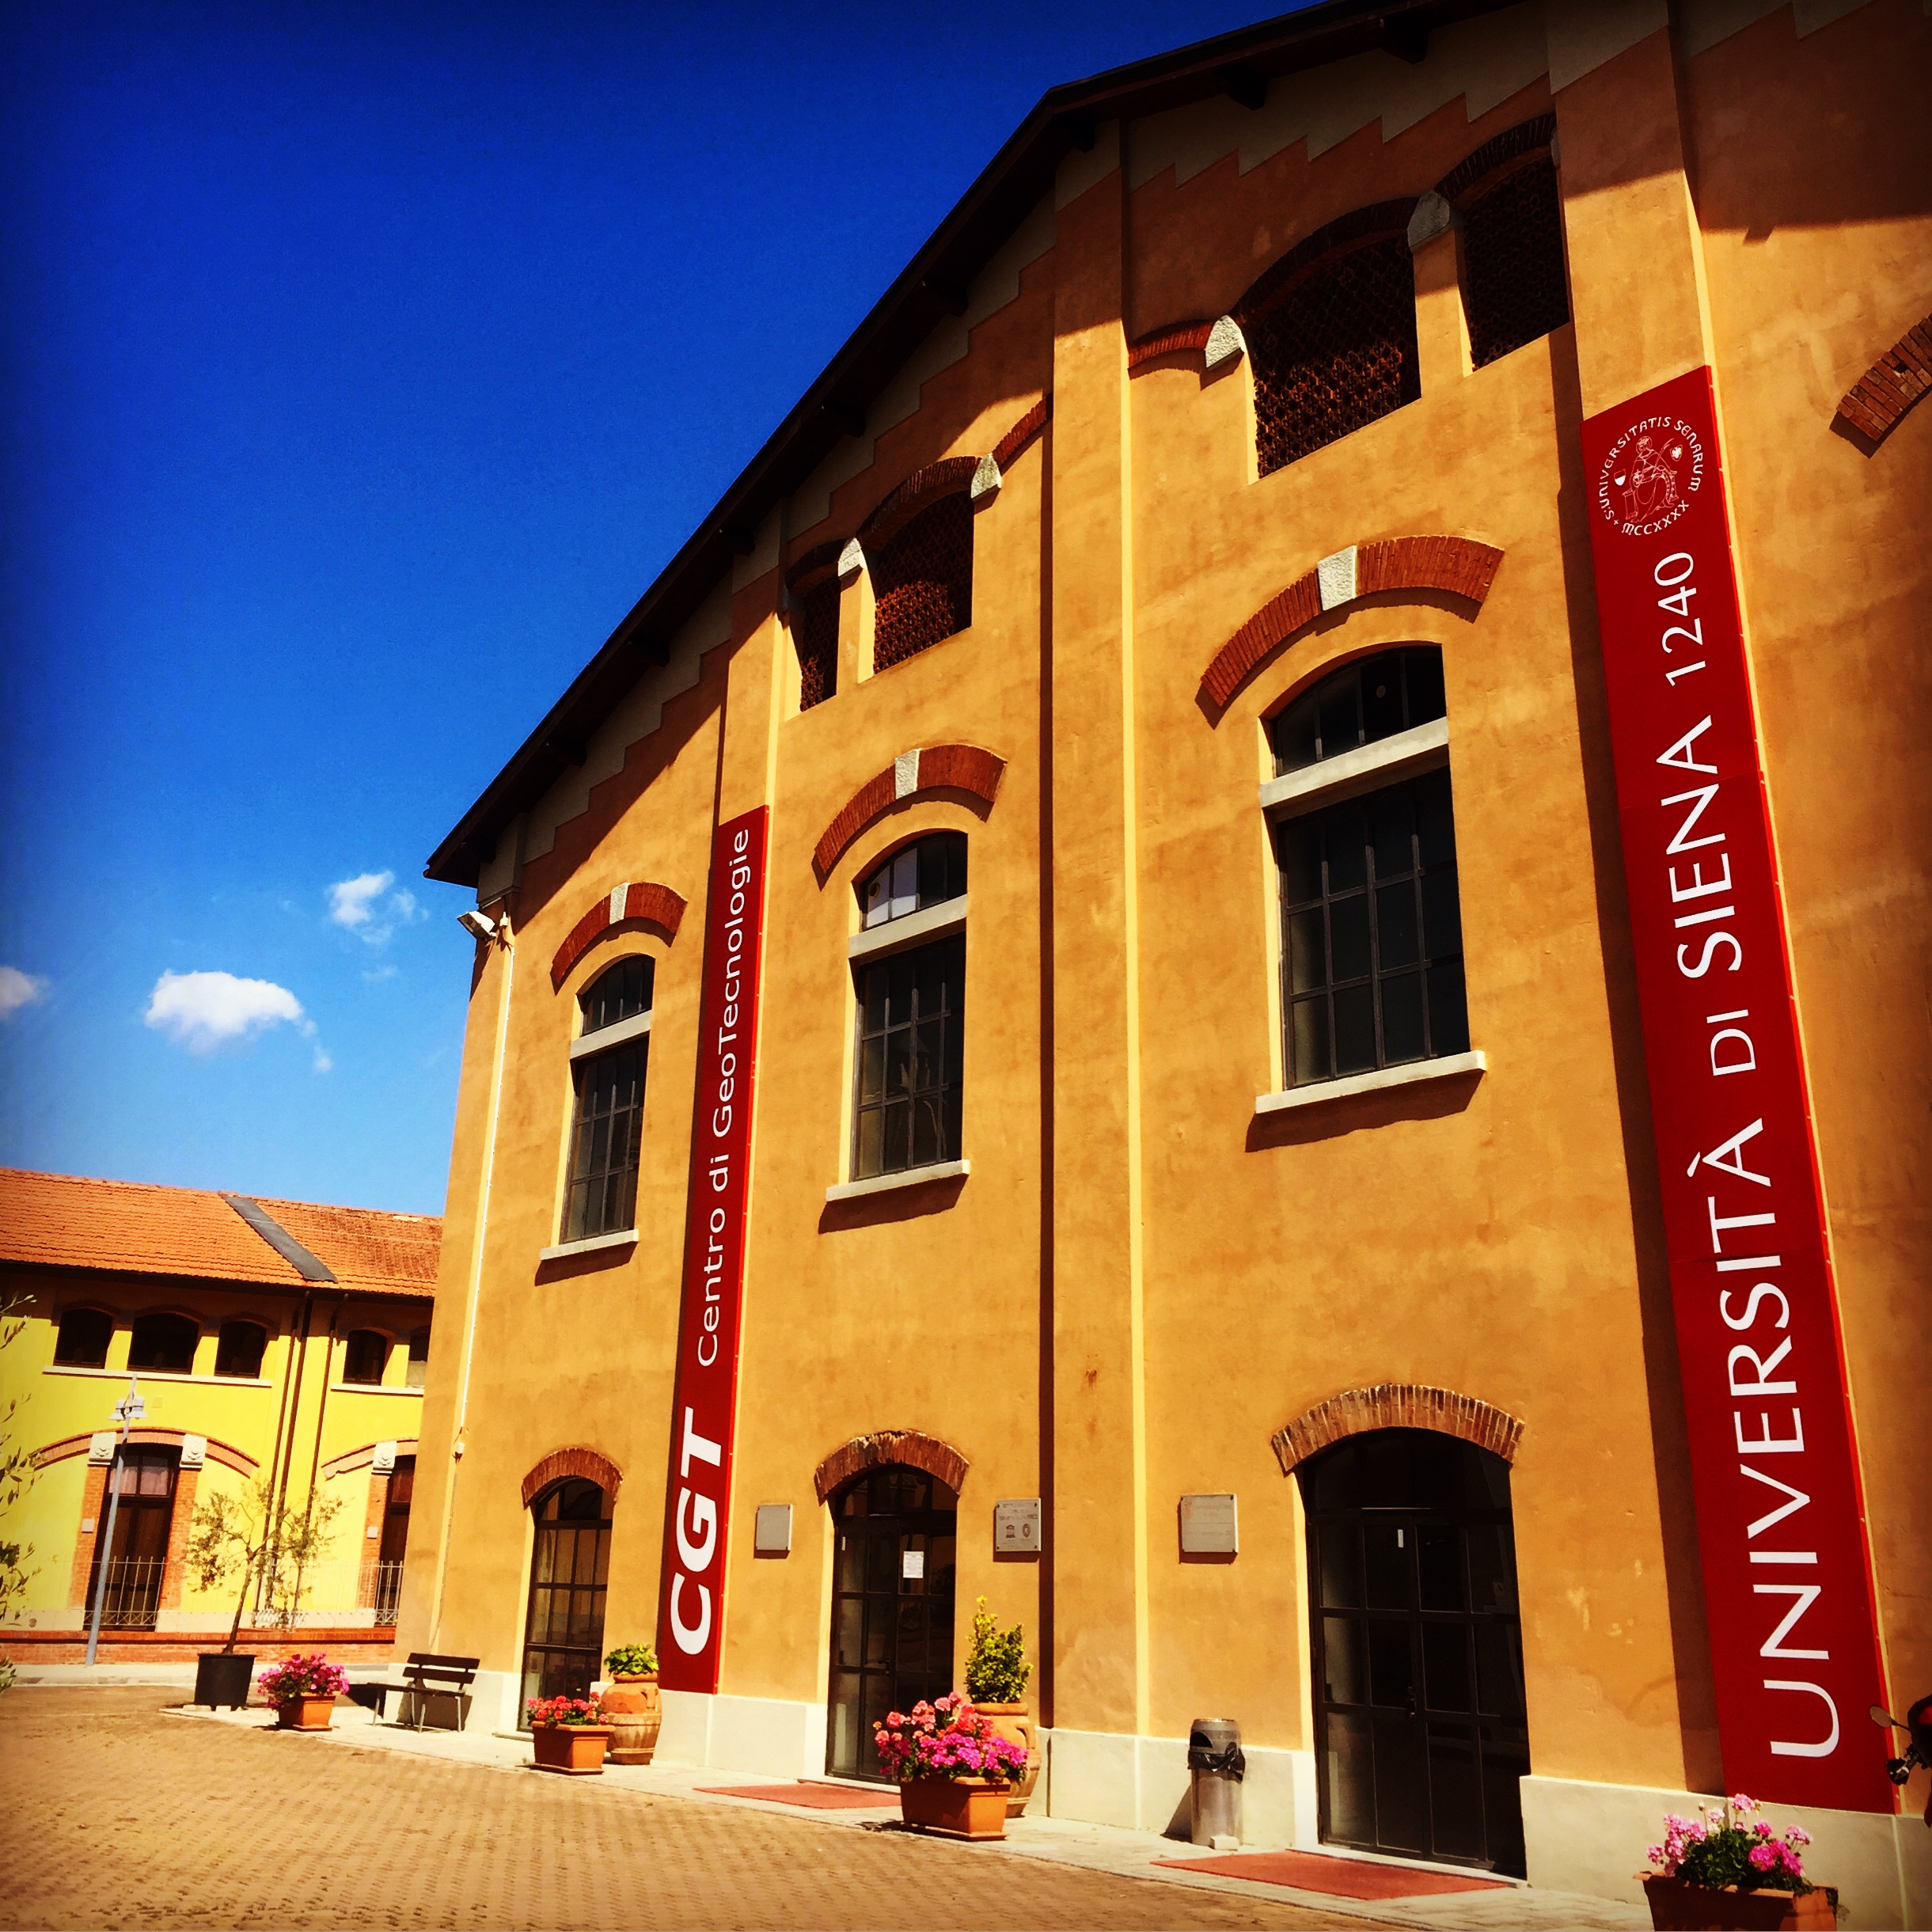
column 1371, row 925
column 911, row 1018
column 600, row 1194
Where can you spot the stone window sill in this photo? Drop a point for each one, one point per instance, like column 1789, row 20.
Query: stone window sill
column 591, row 1244
column 159, row 1375
column 1448, row 1067
column 908, row 1177
column 372, row 1388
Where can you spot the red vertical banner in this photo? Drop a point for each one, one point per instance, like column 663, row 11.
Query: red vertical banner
column 704, row 1410
column 1780, row 1515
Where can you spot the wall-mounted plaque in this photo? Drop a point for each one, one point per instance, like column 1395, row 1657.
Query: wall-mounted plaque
column 1208, row 1526
column 772, row 1531
column 1016, row 1527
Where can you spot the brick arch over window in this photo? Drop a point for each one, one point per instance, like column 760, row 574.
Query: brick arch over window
column 1458, row 565
column 225, row 1453
column 1395, row 1405
column 574, row 1462
column 1505, row 196
column 1330, row 331
column 658, row 904
column 890, row 1445
column 937, row 768
column 1876, row 403
column 947, row 478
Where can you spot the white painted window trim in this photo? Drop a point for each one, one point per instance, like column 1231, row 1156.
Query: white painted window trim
column 1423, row 748
column 906, row 1177
column 589, row 1245
column 625, row 1031
column 158, row 1375
column 930, row 922
column 372, row 1388
column 1444, row 1067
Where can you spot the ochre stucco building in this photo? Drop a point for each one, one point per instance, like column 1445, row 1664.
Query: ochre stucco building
column 1124, row 945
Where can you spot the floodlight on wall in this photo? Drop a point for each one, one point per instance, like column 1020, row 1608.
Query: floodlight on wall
column 479, row 924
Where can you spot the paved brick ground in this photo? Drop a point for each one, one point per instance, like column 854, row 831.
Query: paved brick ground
column 114, row 1814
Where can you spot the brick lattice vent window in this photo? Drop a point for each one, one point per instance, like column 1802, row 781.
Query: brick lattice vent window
column 1333, row 351
column 815, row 634
column 1513, row 286
column 922, row 580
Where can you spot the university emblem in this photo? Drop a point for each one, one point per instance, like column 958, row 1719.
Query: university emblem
column 1650, row 475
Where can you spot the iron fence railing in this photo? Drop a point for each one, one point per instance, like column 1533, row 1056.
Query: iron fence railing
column 386, row 1591
column 133, row 1595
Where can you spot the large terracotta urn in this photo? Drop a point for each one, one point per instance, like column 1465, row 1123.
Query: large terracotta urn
column 1015, row 1723
column 635, row 1712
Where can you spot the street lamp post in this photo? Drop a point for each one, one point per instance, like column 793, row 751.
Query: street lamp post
column 128, row 1410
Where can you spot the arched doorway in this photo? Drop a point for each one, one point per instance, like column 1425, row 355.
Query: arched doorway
column 895, row 1532
column 1420, row 1723
column 570, row 1566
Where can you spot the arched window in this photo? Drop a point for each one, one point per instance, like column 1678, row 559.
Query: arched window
column 1331, row 332
column 908, row 969
column 1365, row 835
column 419, row 1357
column 82, row 1342
column 570, row 1565
column 164, row 1343
column 365, row 1358
column 1514, row 286
column 892, row 1606
column 815, row 636
column 1421, row 1734
column 922, row 579
column 609, row 1059
column 239, row 1349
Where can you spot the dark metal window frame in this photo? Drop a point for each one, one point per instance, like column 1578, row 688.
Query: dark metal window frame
column 1396, row 935
column 230, row 1344
column 607, row 1110
column 145, row 1354
column 69, row 1355
column 355, row 1373
column 577, row 1664
column 898, row 1030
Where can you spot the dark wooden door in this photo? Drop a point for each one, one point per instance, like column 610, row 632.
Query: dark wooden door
column 1420, row 1726
column 145, row 1478
column 892, row 1607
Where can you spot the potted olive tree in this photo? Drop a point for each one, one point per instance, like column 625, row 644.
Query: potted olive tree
column 996, row 1674
column 252, row 1538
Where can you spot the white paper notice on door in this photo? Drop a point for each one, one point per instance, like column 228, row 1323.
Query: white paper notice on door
column 912, row 1563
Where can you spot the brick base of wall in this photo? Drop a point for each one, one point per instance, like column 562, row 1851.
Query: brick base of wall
column 27, row 1648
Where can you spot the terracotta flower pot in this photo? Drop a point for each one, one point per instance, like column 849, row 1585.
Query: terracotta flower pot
column 1676, row 1905
column 1014, row 1724
column 577, row 1750
column 955, row 1807
column 636, row 1714
column 307, row 1714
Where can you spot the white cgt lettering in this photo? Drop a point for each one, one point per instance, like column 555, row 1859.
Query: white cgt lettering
column 1781, row 1749
column 691, row 1638
column 704, row 1514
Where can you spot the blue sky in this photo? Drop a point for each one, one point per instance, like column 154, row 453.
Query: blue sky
column 361, row 365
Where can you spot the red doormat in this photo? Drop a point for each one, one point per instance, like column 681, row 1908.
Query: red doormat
column 813, row 1797
column 1342, row 1878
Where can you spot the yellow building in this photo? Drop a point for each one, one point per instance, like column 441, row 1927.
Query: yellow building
column 1337, row 537
column 271, row 1342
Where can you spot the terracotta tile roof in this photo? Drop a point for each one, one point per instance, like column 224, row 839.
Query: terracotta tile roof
column 67, row 1220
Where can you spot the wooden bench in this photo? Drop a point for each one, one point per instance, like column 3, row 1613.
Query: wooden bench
column 426, row 1675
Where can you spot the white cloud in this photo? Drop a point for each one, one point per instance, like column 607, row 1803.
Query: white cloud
column 201, row 1010
column 365, row 906
column 350, row 900
column 322, row 1063
column 18, row 989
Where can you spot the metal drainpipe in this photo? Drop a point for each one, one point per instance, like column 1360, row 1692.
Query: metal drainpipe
column 505, row 939
column 280, row 1502
column 321, row 1416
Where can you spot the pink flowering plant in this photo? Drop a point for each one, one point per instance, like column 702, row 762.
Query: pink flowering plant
column 543, row 1713
column 1727, row 1846
column 947, row 1738
column 298, row 1676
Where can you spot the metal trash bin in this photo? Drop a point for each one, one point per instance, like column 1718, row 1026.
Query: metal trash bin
column 1216, row 1767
